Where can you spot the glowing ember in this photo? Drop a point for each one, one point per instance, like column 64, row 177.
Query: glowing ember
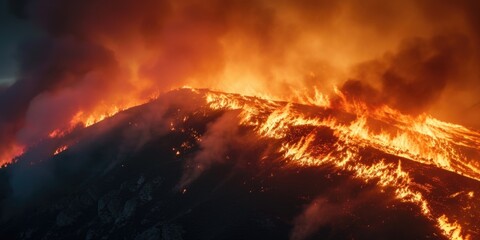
column 396, row 68
column 452, row 230
column 7, row 157
column 422, row 139
column 60, row 149
column 338, row 135
column 471, row 194
column 88, row 119
column 55, row 133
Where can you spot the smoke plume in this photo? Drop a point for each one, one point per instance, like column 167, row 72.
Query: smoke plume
column 97, row 56
column 317, row 213
column 217, row 141
column 413, row 78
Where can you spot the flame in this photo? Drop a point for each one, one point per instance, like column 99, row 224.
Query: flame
column 101, row 113
column 471, row 194
column 422, row 139
column 56, row 133
column 453, row 230
column 8, row 156
column 276, row 55
column 60, row 150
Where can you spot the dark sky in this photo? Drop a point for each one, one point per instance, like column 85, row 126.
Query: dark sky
column 91, row 56
column 13, row 31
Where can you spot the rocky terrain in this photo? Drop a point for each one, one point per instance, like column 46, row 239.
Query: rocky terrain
column 132, row 177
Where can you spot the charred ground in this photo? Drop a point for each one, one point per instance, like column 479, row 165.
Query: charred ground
column 140, row 175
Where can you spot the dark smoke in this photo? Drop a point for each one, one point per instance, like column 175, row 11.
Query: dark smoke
column 319, row 212
column 58, row 78
column 107, row 52
column 413, row 78
column 220, row 137
column 33, row 179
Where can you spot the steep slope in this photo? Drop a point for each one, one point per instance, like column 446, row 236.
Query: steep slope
column 197, row 164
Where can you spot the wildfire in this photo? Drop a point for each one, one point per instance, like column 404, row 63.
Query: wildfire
column 453, row 230
column 353, row 126
column 101, row 113
column 7, row 157
column 60, row 150
column 81, row 71
column 421, row 139
column 55, row 133
column 89, row 119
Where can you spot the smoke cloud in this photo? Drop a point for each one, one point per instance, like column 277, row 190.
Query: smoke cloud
column 217, row 141
column 97, row 55
column 33, row 180
column 413, row 78
column 316, row 214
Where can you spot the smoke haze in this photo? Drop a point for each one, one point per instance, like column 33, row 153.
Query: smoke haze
column 98, row 55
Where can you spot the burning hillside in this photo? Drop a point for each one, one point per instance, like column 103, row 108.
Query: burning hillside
column 343, row 138
column 303, row 170
column 290, row 119
column 93, row 59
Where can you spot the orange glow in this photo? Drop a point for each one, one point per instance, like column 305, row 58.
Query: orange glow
column 8, row 156
column 471, row 194
column 100, row 114
column 326, row 81
column 452, row 230
column 60, row 149
column 55, row 133
column 422, row 139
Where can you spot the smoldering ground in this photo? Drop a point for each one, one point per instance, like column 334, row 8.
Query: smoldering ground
column 38, row 176
column 215, row 144
column 244, row 181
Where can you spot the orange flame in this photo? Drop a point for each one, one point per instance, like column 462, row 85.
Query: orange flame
column 8, row 156
column 60, row 150
column 421, row 139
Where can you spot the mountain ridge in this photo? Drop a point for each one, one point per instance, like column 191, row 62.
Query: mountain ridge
column 182, row 168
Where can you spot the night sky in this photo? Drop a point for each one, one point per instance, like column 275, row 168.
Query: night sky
column 369, row 92
column 64, row 63
column 14, row 31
